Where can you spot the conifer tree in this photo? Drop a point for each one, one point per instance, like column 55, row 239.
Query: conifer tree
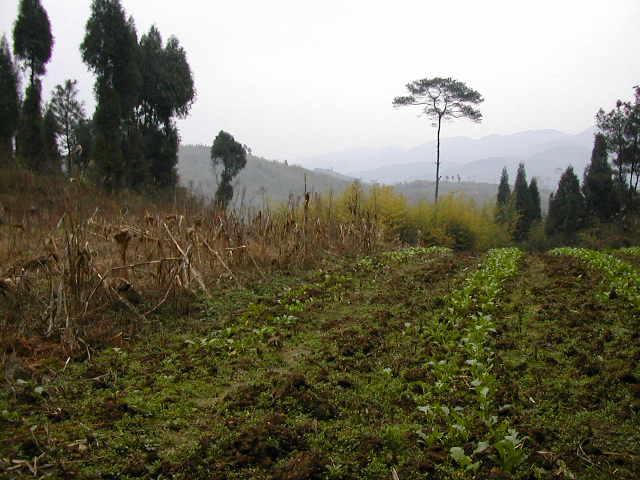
column 110, row 50
column 32, row 44
column 567, row 210
column 504, row 194
column 69, row 112
column 442, row 99
column 523, row 204
column 167, row 93
column 9, row 102
column 535, row 212
column 50, row 131
column 601, row 197
column 32, row 38
column 29, row 139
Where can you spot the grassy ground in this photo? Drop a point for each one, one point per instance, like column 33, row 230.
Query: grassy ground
column 418, row 363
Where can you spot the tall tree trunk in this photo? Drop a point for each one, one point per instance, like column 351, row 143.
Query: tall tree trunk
column 438, row 160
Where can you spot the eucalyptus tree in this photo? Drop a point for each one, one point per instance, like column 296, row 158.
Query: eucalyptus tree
column 442, row 99
column 232, row 157
column 9, row 102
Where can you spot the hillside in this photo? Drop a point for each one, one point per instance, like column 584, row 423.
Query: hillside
column 261, row 180
column 265, row 180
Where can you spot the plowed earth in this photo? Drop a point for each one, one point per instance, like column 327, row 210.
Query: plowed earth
column 324, row 380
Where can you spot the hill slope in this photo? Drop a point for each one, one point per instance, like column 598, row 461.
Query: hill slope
column 261, row 180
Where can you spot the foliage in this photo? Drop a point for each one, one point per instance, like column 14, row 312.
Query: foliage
column 152, row 85
column 69, row 114
column 50, row 131
column 523, row 203
column 621, row 130
column 600, row 194
column 620, row 278
column 110, row 50
column 29, row 138
column 535, row 211
column 167, row 92
column 504, row 195
column 32, row 39
column 567, row 213
column 232, row 157
column 442, row 99
column 9, row 102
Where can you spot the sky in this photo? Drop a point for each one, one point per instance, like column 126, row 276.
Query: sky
column 293, row 79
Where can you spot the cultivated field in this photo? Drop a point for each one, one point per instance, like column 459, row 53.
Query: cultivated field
column 412, row 364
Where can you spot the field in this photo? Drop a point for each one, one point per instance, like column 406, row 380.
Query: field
column 417, row 363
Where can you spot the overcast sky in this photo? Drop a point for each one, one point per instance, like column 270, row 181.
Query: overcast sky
column 293, row 78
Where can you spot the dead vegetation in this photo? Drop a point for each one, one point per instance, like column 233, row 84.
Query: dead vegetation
column 77, row 265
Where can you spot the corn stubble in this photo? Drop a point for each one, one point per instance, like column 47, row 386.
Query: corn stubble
column 74, row 261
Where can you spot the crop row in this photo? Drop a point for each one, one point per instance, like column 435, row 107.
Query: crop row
column 620, row 278
column 462, row 331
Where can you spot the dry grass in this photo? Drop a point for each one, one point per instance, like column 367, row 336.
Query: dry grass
column 78, row 266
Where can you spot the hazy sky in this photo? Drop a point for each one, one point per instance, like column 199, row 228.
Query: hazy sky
column 292, row 78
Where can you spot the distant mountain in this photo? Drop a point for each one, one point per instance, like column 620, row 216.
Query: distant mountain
column 545, row 153
column 259, row 182
column 547, row 166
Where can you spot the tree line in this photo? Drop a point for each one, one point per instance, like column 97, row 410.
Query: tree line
column 142, row 85
column 609, row 191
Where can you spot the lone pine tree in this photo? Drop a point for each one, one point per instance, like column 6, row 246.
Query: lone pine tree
column 442, row 99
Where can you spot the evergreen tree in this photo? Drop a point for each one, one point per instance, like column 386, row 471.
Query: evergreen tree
column 523, row 204
column 232, row 157
column 29, row 139
column 167, row 92
column 621, row 128
column 69, row 112
column 109, row 159
column 50, row 131
column 32, row 44
column 110, row 50
column 601, row 197
column 535, row 211
column 85, row 138
column 32, row 39
column 504, row 193
column 9, row 102
column 567, row 210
